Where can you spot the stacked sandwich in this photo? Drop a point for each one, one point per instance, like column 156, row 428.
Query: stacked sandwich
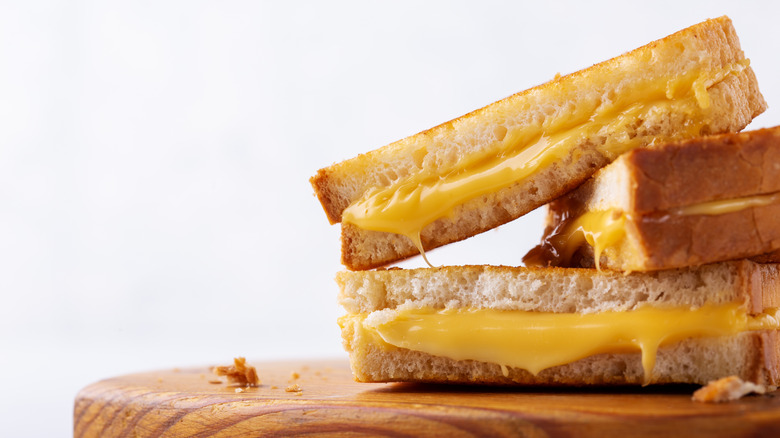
column 657, row 262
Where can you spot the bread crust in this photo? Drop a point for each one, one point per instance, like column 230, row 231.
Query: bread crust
column 711, row 168
column 711, row 44
column 695, row 240
column 770, row 257
column 753, row 356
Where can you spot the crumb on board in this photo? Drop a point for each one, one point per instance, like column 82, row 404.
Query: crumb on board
column 294, row 375
column 215, row 382
column 293, row 388
column 239, row 373
column 728, row 389
column 239, row 389
column 274, row 387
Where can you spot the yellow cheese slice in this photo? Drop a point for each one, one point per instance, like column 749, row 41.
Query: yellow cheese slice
column 535, row 341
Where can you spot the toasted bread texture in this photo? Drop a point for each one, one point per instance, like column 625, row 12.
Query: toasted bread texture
column 753, row 356
column 657, row 188
column 732, row 100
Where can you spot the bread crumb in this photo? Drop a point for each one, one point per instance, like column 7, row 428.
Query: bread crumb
column 239, row 373
column 293, row 388
column 294, row 375
column 239, row 389
column 274, row 387
column 727, row 389
column 215, row 382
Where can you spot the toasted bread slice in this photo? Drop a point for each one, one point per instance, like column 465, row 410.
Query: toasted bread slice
column 373, row 296
column 550, row 138
column 680, row 204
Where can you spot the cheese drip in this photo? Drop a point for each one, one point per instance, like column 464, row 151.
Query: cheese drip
column 606, row 229
column 535, row 341
column 409, row 205
column 599, row 229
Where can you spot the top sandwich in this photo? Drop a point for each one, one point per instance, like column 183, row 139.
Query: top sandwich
column 497, row 163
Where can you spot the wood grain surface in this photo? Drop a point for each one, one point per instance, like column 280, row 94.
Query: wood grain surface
column 186, row 403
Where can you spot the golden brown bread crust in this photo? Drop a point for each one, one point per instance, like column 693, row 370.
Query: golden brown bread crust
column 712, row 44
column 703, row 169
column 765, row 369
column 668, row 242
column 770, row 257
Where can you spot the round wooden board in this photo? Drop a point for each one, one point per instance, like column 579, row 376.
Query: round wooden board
column 183, row 403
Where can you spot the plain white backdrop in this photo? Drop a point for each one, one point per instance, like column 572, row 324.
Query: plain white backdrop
column 155, row 209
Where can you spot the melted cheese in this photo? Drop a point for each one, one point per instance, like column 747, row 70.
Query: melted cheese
column 410, row 204
column 729, row 205
column 599, row 229
column 606, row 229
column 535, row 341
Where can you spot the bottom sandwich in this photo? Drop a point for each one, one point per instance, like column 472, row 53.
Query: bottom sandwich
column 507, row 325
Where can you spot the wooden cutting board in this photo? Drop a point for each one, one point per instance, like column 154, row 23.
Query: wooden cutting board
column 184, row 403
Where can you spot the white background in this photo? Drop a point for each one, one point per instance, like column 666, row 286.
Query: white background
column 155, row 209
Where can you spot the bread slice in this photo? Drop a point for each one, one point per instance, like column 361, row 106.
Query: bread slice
column 696, row 81
column 668, row 197
column 752, row 355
